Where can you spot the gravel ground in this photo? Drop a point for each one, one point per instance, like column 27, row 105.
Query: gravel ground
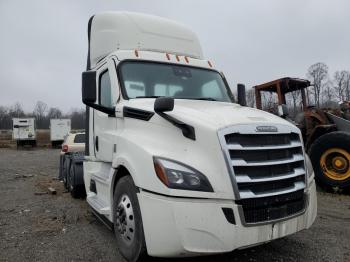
column 42, row 227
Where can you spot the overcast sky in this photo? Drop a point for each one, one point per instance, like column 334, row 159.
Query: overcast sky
column 43, row 44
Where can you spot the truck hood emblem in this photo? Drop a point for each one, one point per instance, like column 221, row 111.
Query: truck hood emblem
column 266, row 129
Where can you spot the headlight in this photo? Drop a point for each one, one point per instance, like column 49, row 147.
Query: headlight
column 309, row 168
column 180, row 176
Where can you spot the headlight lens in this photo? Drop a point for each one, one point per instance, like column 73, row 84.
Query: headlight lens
column 180, row 176
column 309, row 168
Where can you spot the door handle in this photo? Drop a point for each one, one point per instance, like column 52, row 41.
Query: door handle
column 96, row 143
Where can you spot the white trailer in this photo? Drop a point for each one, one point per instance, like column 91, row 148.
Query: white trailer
column 59, row 129
column 24, row 131
column 172, row 161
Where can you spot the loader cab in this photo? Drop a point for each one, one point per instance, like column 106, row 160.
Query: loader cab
column 280, row 88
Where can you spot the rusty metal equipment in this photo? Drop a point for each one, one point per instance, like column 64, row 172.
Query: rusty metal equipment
column 326, row 132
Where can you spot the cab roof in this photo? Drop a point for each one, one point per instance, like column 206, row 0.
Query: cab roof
column 112, row 31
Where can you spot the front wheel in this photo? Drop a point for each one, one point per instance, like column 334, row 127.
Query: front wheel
column 128, row 221
column 330, row 156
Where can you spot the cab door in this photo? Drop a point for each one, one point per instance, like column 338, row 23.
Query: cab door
column 105, row 125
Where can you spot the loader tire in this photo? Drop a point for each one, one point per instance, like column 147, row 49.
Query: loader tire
column 128, row 226
column 330, row 157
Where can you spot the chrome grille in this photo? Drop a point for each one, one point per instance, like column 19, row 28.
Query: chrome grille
column 265, row 166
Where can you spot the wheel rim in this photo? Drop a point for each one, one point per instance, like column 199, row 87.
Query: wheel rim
column 125, row 219
column 335, row 163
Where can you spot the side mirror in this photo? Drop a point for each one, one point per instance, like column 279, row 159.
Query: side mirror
column 241, row 95
column 88, row 91
column 283, row 110
column 89, row 87
column 164, row 104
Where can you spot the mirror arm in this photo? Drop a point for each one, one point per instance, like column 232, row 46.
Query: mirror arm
column 108, row 110
column 187, row 130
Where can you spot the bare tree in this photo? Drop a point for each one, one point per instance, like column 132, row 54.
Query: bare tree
column 250, row 97
column 340, row 83
column 39, row 113
column 328, row 94
column 16, row 110
column 77, row 117
column 54, row 112
column 295, row 100
column 347, row 85
column 3, row 117
column 318, row 74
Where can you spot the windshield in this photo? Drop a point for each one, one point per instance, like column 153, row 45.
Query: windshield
column 149, row 79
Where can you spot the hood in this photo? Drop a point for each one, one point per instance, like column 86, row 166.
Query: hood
column 213, row 114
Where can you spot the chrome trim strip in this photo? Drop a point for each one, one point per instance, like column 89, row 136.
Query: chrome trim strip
column 241, row 162
column 287, row 146
column 249, row 194
column 247, row 179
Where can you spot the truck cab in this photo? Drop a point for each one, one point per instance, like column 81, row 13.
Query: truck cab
column 172, row 163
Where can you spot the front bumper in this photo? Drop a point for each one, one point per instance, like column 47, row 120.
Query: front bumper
column 176, row 227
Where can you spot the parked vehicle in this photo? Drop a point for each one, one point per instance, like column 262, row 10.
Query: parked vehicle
column 71, row 164
column 326, row 132
column 172, row 163
column 59, row 129
column 24, row 131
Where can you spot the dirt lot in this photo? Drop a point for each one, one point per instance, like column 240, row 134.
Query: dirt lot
column 43, row 227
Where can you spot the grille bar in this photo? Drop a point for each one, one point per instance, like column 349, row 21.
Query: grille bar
column 247, row 179
column 295, row 158
column 249, row 194
column 240, row 147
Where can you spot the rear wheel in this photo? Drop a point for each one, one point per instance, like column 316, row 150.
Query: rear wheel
column 75, row 190
column 127, row 221
column 330, row 156
column 66, row 167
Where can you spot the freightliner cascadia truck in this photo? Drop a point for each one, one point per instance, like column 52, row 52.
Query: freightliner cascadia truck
column 174, row 164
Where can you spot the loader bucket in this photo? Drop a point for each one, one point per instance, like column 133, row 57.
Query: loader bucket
column 341, row 123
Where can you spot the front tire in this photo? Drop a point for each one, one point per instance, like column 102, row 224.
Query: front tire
column 128, row 221
column 330, row 157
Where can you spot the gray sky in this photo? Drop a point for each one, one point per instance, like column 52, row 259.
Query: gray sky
column 43, row 44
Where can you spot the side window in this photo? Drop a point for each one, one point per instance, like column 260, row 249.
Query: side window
column 105, row 95
column 79, row 138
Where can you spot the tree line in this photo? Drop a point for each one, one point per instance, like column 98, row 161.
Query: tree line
column 42, row 114
column 326, row 91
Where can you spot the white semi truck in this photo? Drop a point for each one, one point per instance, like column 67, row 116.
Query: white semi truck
column 173, row 164
column 59, row 129
column 23, row 131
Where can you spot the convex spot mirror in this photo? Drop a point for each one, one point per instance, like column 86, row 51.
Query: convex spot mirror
column 164, row 104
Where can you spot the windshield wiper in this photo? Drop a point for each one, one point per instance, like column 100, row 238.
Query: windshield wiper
column 205, row 98
column 147, row 96
column 191, row 98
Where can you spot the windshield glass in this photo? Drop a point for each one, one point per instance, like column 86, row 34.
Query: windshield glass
column 148, row 79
